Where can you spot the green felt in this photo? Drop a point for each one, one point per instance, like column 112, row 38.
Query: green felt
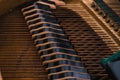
column 111, row 58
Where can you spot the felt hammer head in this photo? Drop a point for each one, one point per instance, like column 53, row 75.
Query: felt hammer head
column 58, row 2
column 52, row 3
column 52, row 6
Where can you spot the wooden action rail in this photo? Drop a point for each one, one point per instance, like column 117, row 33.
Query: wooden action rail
column 108, row 14
column 56, row 51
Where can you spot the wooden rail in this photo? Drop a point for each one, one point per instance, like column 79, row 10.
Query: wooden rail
column 1, row 76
